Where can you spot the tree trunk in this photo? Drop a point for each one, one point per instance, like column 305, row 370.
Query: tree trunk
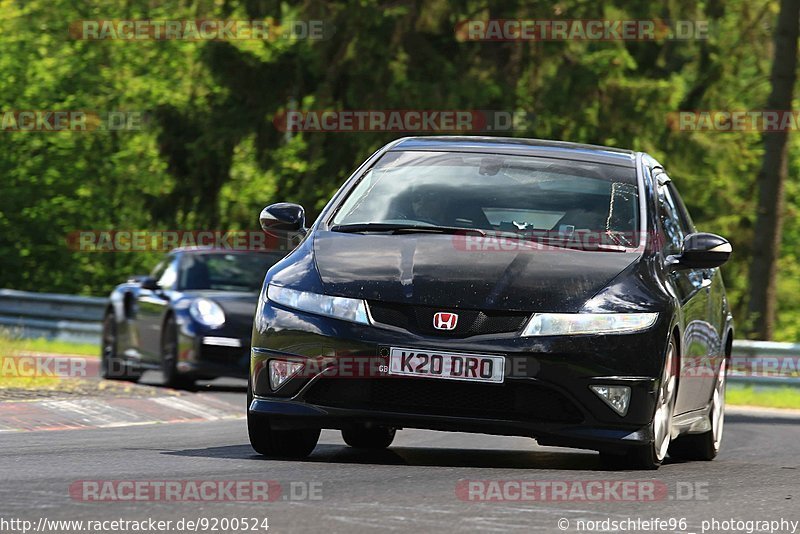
column 767, row 239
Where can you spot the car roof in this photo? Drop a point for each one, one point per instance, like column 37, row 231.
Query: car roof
column 520, row 146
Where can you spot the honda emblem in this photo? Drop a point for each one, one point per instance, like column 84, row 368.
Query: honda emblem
column 445, row 321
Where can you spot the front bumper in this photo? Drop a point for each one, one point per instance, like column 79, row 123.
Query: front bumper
column 545, row 393
column 292, row 414
column 206, row 354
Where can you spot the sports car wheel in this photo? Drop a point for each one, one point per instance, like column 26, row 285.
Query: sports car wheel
column 169, row 357
column 111, row 366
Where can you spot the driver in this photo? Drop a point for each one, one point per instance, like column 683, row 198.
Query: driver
column 425, row 205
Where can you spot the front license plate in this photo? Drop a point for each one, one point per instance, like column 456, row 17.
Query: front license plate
column 446, row 365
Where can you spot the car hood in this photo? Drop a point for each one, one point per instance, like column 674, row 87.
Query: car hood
column 438, row 270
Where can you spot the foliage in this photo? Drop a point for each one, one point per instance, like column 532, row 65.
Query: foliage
column 210, row 156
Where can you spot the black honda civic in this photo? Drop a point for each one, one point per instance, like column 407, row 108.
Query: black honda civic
column 501, row 286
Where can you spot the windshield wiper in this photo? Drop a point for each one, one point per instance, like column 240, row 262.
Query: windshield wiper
column 566, row 242
column 391, row 228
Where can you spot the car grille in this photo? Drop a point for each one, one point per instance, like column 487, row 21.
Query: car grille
column 419, row 319
column 447, row 398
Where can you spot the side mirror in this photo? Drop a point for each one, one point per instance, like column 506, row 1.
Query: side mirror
column 283, row 217
column 149, row 283
column 702, row 251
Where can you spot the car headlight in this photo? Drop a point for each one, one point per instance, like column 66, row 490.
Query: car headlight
column 354, row 310
column 207, row 312
column 560, row 324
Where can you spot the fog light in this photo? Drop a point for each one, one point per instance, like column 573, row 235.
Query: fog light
column 618, row 397
column 282, row 370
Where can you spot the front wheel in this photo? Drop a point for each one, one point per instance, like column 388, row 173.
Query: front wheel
column 111, row 366
column 268, row 441
column 652, row 455
column 169, row 357
column 705, row 446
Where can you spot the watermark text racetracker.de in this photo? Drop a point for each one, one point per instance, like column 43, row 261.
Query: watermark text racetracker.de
column 580, row 30
column 75, row 120
column 726, row 120
column 584, row 491
column 166, row 240
column 142, row 525
column 341, row 364
column 403, row 120
column 198, row 30
column 566, row 237
column 45, row 366
column 210, row 490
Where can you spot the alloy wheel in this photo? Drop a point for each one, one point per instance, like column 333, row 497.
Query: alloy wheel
column 718, row 406
column 662, row 421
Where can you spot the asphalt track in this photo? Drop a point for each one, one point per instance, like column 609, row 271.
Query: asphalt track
column 411, row 487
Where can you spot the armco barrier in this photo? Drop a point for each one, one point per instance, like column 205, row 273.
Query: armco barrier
column 777, row 362
column 52, row 316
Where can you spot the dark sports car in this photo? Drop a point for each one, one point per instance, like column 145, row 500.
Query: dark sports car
column 191, row 317
column 501, row 286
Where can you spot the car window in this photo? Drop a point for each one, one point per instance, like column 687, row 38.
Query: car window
column 165, row 273
column 225, row 271
column 683, row 214
column 159, row 269
column 673, row 222
column 169, row 277
column 535, row 196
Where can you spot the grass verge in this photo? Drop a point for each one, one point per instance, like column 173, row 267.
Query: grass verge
column 17, row 377
column 10, row 345
column 767, row 397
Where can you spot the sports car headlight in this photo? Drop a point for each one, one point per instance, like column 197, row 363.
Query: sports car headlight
column 338, row 307
column 561, row 324
column 207, row 312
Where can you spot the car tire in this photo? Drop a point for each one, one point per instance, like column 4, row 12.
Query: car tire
column 266, row 441
column 651, row 456
column 111, row 366
column 361, row 437
column 705, row 446
column 169, row 357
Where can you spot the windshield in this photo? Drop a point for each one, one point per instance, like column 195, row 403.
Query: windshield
column 225, row 271
column 538, row 198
